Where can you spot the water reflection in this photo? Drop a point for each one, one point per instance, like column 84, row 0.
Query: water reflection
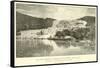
column 44, row 47
column 32, row 48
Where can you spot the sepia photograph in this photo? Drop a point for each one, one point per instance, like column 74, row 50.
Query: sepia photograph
column 55, row 30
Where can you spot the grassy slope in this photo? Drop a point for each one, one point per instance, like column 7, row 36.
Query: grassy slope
column 25, row 22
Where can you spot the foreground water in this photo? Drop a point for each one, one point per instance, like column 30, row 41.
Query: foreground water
column 44, row 47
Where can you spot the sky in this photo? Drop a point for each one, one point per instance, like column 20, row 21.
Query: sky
column 60, row 12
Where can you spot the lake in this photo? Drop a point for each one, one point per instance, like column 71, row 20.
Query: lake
column 43, row 47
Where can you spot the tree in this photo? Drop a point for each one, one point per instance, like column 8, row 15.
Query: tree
column 80, row 33
column 66, row 32
column 59, row 34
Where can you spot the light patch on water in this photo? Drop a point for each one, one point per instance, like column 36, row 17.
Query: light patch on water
column 65, row 51
column 60, row 50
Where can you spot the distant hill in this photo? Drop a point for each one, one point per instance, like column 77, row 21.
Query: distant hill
column 89, row 19
column 25, row 22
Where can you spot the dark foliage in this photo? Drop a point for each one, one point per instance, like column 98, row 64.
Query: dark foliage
column 79, row 33
column 59, row 34
column 89, row 19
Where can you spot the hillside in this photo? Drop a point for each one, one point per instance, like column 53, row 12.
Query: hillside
column 89, row 19
column 25, row 22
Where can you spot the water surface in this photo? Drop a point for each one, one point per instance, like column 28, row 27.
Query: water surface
column 43, row 47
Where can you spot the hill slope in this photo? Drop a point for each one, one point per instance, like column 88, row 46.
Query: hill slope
column 89, row 19
column 25, row 22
